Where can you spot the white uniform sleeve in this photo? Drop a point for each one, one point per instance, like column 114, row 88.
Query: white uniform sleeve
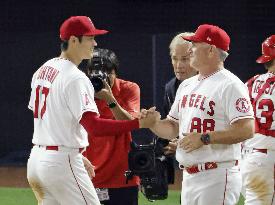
column 80, row 97
column 174, row 112
column 33, row 93
column 236, row 102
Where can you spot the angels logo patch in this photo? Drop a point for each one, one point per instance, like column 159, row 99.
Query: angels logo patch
column 242, row 105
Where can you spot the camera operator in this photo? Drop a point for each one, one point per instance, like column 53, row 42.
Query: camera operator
column 119, row 100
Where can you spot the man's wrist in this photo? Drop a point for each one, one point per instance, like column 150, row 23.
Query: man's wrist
column 205, row 138
column 112, row 105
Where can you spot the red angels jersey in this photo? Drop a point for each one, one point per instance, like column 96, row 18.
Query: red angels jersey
column 60, row 94
column 210, row 104
column 264, row 107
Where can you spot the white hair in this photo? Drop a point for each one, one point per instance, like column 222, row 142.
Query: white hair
column 223, row 54
column 178, row 40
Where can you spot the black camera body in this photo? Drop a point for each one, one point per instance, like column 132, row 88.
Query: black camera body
column 97, row 78
column 97, row 74
column 145, row 162
column 102, row 63
column 141, row 158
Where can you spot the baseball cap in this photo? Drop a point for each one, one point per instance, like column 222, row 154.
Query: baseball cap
column 78, row 26
column 268, row 50
column 212, row 35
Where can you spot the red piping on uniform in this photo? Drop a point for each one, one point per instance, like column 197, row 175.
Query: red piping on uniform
column 77, row 181
column 225, row 188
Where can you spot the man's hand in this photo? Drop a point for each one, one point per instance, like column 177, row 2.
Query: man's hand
column 149, row 118
column 143, row 113
column 89, row 167
column 171, row 147
column 105, row 93
column 191, row 142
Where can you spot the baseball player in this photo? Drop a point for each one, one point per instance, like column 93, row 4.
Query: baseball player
column 62, row 101
column 258, row 167
column 211, row 114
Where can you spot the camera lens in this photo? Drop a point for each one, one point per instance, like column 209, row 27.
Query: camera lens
column 97, row 83
column 142, row 161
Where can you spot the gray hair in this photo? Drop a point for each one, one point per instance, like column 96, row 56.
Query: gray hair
column 178, row 40
column 223, row 54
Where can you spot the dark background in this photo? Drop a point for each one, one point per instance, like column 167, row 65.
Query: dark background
column 140, row 33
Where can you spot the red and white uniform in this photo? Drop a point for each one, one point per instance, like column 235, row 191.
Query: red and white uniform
column 210, row 104
column 258, row 166
column 61, row 93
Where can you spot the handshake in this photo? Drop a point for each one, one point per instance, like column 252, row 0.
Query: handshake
column 148, row 118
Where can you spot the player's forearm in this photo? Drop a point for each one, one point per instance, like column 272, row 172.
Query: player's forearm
column 239, row 131
column 96, row 126
column 166, row 129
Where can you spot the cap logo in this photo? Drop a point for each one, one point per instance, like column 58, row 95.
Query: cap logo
column 208, row 39
column 91, row 21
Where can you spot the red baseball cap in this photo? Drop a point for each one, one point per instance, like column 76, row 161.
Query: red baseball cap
column 268, row 50
column 78, row 26
column 212, row 35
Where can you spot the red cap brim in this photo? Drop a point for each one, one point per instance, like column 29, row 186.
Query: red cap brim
column 190, row 38
column 264, row 59
column 96, row 32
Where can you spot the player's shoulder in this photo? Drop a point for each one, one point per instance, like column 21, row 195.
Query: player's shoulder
column 71, row 72
column 188, row 81
column 262, row 77
column 38, row 70
column 227, row 77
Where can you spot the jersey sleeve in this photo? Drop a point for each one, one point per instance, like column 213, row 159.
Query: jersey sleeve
column 236, row 102
column 174, row 112
column 33, row 93
column 79, row 95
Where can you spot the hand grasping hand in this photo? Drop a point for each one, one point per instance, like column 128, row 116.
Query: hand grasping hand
column 143, row 113
column 149, row 118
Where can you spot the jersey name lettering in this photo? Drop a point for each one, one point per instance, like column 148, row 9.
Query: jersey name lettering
column 198, row 101
column 258, row 85
column 47, row 73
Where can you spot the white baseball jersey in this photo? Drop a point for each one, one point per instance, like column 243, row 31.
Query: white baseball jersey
column 210, row 104
column 61, row 93
column 264, row 112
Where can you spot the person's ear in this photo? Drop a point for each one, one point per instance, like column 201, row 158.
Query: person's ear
column 212, row 50
column 73, row 39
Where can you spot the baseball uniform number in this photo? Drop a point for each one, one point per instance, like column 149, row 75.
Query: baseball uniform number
column 40, row 98
column 267, row 114
column 202, row 126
